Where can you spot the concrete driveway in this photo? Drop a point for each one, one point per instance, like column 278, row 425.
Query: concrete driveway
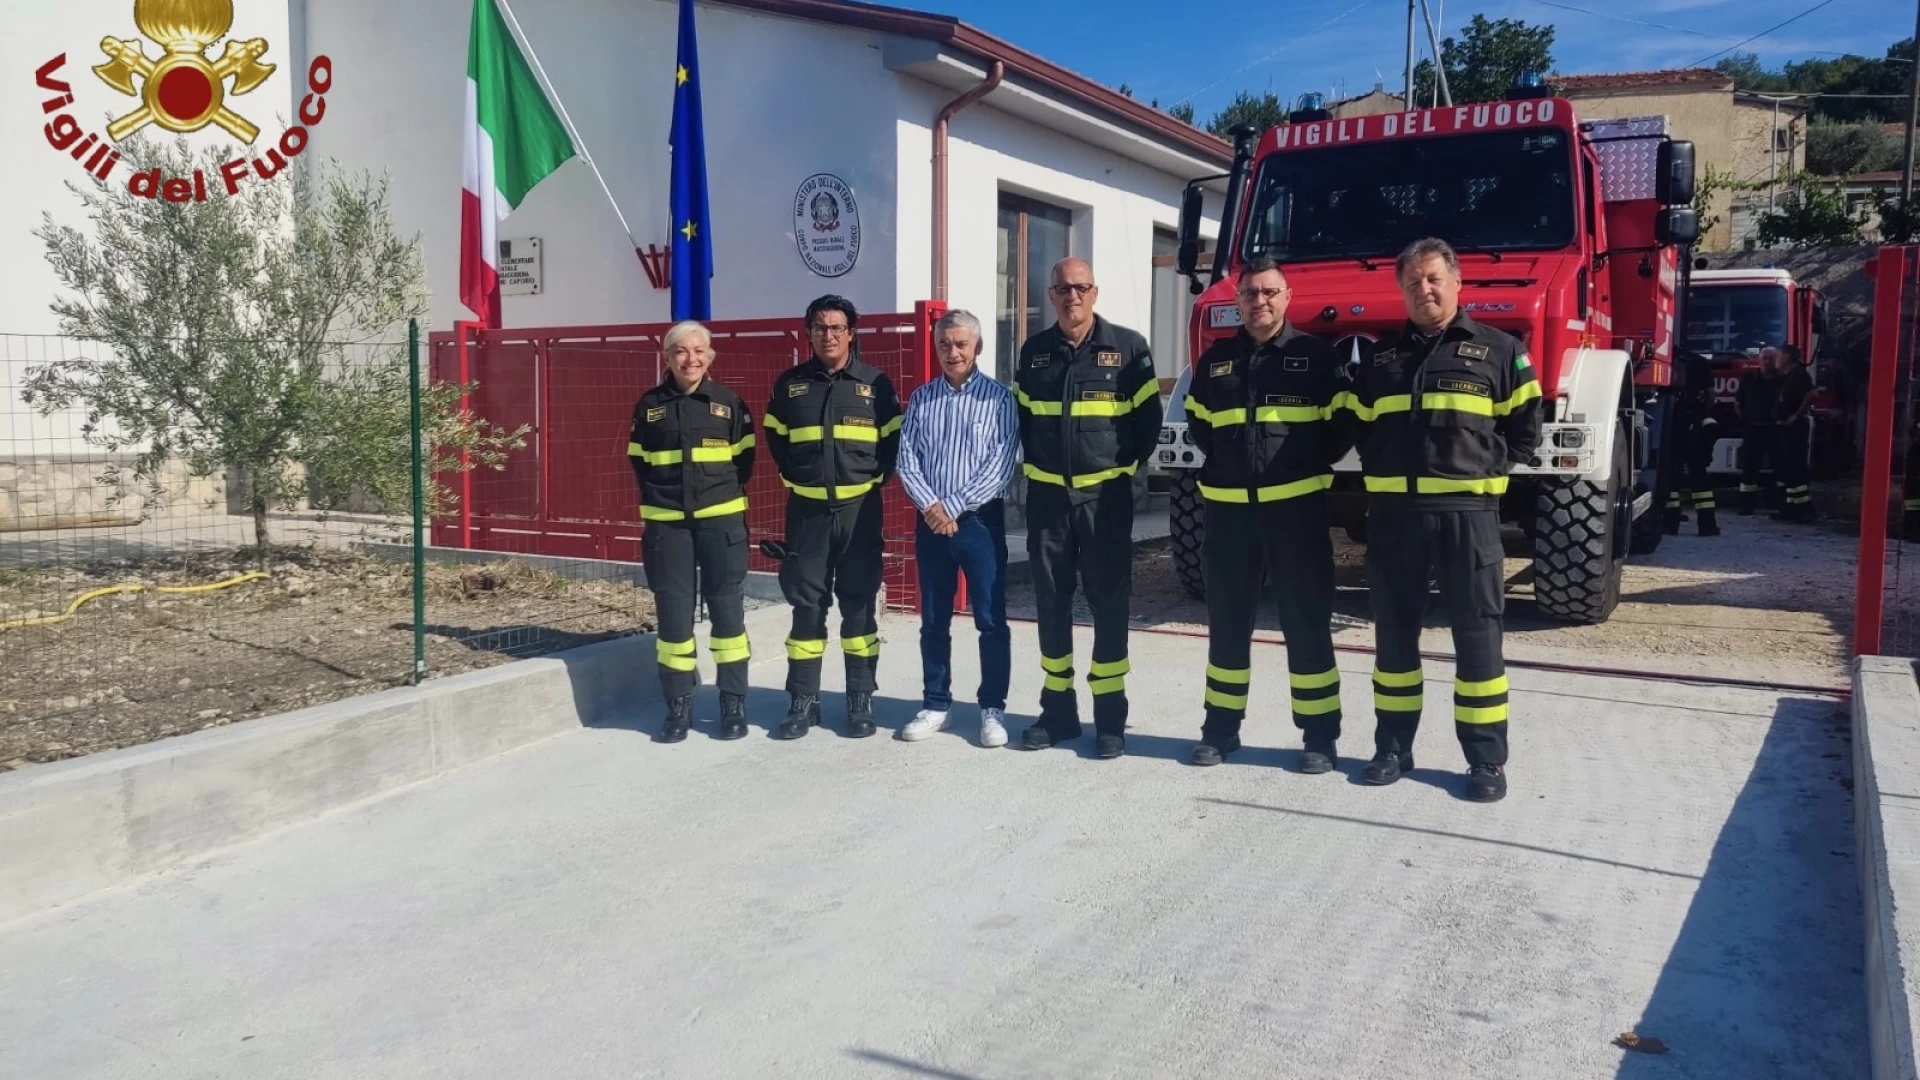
column 1673, row 859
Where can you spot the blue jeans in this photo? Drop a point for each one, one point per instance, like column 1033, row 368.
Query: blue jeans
column 980, row 550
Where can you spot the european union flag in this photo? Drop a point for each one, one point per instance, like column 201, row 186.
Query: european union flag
column 692, row 239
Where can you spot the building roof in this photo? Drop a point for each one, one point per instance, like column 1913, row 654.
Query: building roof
column 948, row 31
column 1614, row 82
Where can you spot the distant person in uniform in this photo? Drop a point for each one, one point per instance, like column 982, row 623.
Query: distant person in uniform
column 1793, row 437
column 1757, row 403
column 1695, row 431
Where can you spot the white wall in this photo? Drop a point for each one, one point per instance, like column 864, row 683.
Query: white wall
column 783, row 99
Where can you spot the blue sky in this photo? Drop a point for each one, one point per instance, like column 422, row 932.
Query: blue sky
column 1163, row 50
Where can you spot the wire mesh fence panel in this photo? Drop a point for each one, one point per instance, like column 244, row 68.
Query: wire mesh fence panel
column 147, row 593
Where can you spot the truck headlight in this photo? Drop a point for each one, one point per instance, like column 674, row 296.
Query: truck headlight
column 1166, row 436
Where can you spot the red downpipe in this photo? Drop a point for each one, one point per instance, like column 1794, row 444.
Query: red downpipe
column 994, row 74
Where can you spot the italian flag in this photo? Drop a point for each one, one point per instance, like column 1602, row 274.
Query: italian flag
column 514, row 140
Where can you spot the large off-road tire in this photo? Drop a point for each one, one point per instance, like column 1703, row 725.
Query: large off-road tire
column 1186, row 514
column 1576, row 563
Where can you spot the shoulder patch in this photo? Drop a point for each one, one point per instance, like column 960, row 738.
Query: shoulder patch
column 1224, row 367
column 1107, row 358
column 1521, row 362
column 658, row 413
column 1038, row 360
column 721, row 411
column 863, row 389
column 1470, row 350
column 797, row 388
column 1382, row 355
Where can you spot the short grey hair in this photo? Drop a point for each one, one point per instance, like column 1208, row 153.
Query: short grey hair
column 961, row 318
column 682, row 330
column 1418, row 252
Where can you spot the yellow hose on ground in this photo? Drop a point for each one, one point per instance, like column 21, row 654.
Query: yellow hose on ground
column 49, row 620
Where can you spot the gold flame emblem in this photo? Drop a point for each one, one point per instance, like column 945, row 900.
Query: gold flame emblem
column 182, row 91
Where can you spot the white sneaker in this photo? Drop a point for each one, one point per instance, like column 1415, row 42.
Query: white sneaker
column 993, row 728
column 924, row 723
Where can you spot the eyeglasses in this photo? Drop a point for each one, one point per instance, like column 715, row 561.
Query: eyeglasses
column 1260, row 294
column 1078, row 288
column 830, row 331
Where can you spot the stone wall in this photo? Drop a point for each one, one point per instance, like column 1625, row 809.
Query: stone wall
column 72, row 491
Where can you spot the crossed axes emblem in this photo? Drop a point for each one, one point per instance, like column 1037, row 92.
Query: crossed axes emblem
column 182, row 92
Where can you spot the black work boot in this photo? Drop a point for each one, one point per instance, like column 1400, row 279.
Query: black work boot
column 1214, row 751
column 802, row 713
column 733, row 716
column 1670, row 523
column 1318, row 757
column 1386, row 767
column 1486, row 783
column 859, row 715
column 1709, row 523
column 679, row 719
column 1110, row 746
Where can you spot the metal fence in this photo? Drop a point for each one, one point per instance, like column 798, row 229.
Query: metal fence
column 1887, row 597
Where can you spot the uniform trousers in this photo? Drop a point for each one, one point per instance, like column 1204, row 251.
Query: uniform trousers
column 1088, row 536
column 672, row 552
column 833, row 553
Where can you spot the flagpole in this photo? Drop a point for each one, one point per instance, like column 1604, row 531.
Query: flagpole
column 552, row 95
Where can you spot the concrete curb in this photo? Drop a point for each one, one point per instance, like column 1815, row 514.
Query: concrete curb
column 70, row 828
column 1886, row 801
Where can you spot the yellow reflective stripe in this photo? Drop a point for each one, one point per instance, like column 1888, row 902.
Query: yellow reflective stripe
column 634, row 449
column 773, row 424
column 1058, row 683
column 856, row 434
column 806, row 434
column 674, row 655
column 1434, row 485
column 1484, row 688
column 1329, row 677
column 1228, row 495
column 1116, row 685
column 660, row 513
column 1148, row 389
column 1342, row 400
column 1525, row 392
column 1084, row 480
column 1286, row 414
column 1226, row 675
column 1390, row 703
column 1229, row 417
column 1226, row 701
column 806, row 650
column 746, row 443
column 731, row 506
column 660, row 457
column 1316, row 706
column 1037, row 408
column 865, row 645
column 1398, row 679
column 1490, row 714
column 1108, row 669
column 1057, row 664
column 729, row 650
column 1100, row 408
column 712, row 453
column 1196, row 409
column 1296, row 488
column 1466, row 403
column 1390, row 404
column 804, row 491
column 892, row 426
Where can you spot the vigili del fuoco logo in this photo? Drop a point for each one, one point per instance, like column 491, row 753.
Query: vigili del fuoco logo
column 181, row 91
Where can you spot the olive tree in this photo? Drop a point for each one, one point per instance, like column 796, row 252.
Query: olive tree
column 262, row 333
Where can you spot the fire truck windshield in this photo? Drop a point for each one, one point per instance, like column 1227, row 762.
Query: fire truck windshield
column 1501, row 190
column 1735, row 318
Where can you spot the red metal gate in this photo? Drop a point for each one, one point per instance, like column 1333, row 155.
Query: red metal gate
column 570, row 492
column 1893, row 388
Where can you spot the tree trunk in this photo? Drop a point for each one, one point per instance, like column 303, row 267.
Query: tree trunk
column 257, row 502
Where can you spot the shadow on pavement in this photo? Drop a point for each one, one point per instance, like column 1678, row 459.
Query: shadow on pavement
column 1764, row 976
column 913, row 1068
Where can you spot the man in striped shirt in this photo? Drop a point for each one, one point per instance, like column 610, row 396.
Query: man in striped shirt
column 958, row 450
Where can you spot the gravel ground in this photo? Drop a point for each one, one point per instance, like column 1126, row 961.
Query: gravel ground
column 1761, row 592
column 324, row 625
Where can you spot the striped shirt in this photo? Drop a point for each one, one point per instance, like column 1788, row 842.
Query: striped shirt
column 959, row 448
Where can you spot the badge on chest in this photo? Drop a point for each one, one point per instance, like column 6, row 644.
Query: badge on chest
column 1221, row 369
column 721, row 411
column 1293, row 363
column 863, row 390
column 654, row 416
column 1107, row 358
column 798, row 389
column 1467, row 350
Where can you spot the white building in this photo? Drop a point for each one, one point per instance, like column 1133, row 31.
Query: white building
column 1046, row 164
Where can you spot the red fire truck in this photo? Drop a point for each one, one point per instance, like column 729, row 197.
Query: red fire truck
column 1731, row 315
column 1572, row 236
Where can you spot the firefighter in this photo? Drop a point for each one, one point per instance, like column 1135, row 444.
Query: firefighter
column 1756, row 402
column 692, row 453
column 1695, row 431
column 1447, row 408
column 1794, row 436
column 1268, row 407
column 833, row 428
column 1089, row 406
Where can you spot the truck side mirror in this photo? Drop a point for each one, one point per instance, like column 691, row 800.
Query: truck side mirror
column 1677, row 225
column 1673, row 179
column 1188, row 260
